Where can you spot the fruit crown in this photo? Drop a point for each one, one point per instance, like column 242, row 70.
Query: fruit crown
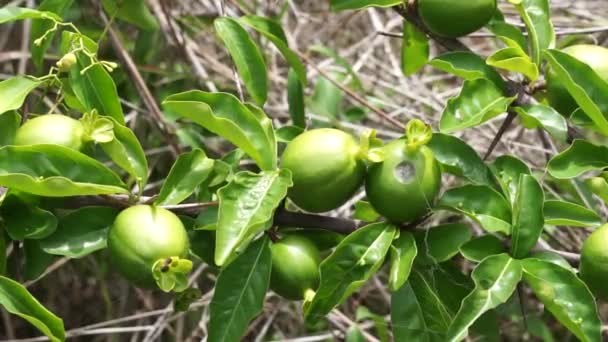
column 417, row 134
column 171, row 273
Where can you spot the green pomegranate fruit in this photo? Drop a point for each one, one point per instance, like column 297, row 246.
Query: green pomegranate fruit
column 455, row 18
column 326, row 168
column 140, row 236
column 403, row 187
column 295, row 267
column 557, row 94
column 51, row 129
column 594, row 262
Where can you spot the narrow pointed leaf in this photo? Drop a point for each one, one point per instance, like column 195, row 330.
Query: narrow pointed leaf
column 14, row 90
column 239, row 293
column 536, row 14
column 582, row 156
column 351, row 264
column 479, row 101
column 481, row 203
column 246, row 56
column 190, row 170
column 403, row 252
column 247, row 205
column 562, row 213
column 495, row 280
column 295, row 99
column 339, row 5
column 565, row 296
column 224, row 115
column 528, row 219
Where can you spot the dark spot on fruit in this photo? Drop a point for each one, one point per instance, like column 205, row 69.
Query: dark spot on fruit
column 405, row 172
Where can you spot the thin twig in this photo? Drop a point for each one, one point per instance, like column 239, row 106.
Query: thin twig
column 501, row 131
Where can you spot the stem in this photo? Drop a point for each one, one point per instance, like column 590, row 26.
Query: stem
column 501, row 131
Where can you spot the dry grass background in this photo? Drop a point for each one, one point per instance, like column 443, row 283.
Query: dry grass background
column 97, row 305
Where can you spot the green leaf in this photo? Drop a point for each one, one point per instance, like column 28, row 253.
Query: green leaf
column 440, row 243
column 80, row 232
column 3, row 251
column 495, row 280
column 9, row 123
column 239, row 293
column 408, row 318
column 482, row 247
column 17, row 300
column 528, row 220
column 553, row 258
column 582, row 156
column 288, row 133
column 131, row 11
column 14, row 90
column 507, row 170
column 414, row 49
column 514, row 58
column 351, row 264
column 327, row 98
column 479, row 101
column 365, row 212
column 549, row 119
column 274, row 32
column 126, row 151
column 565, row 296
column 11, row 13
column 55, row 171
column 26, row 221
column 40, row 27
column 36, row 260
column 184, row 299
column 225, row 115
column 403, row 253
column 481, row 203
column 468, row 66
column 295, row 99
column 460, row 159
column 536, row 14
column 247, row 205
column 189, row 170
column 340, row 5
column 560, row 213
column 246, row 56
column 501, row 28
column 587, row 88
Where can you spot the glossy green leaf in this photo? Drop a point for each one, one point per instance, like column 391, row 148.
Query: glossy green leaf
column 246, row 56
column 131, row 11
column 481, row 203
column 460, row 159
column 239, row 293
column 545, row 117
column 274, row 32
column 189, row 170
column 14, row 90
column 403, row 253
column 40, row 27
column 479, row 101
column 247, row 205
column 11, row 13
column 495, row 280
column 501, row 28
column 582, row 156
column 17, row 300
column 514, row 58
column 36, row 261
column 55, row 171
column 351, row 264
column 126, row 151
column 507, row 170
column 295, row 99
column 26, row 221
column 225, row 115
column 528, row 220
column 80, row 232
column 536, row 14
column 365, row 212
column 482, row 247
column 339, row 5
column 587, row 88
column 408, row 318
column 9, row 123
column 565, row 296
column 554, row 258
column 562, row 213
column 440, row 243
column 414, row 49
column 468, row 66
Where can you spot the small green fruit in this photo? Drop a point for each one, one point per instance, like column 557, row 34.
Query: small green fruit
column 403, row 187
column 455, row 18
column 295, row 267
column 326, row 169
column 54, row 129
column 594, row 262
column 140, row 236
column 66, row 62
